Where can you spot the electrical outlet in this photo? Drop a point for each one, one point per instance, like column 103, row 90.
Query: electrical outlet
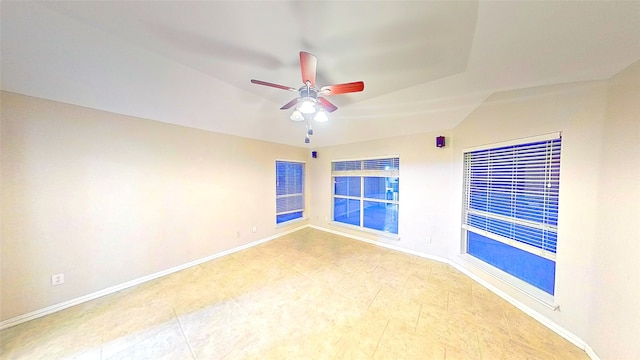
column 428, row 239
column 57, row 279
column 254, row 229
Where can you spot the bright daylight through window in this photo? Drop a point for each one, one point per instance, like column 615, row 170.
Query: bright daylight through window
column 289, row 191
column 511, row 208
column 366, row 193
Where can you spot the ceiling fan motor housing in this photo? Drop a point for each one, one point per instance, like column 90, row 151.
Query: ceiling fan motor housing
column 308, row 92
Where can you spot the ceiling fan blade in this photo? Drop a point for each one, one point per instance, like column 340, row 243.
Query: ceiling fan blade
column 260, row 82
column 326, row 105
column 342, row 88
column 308, row 64
column 290, row 104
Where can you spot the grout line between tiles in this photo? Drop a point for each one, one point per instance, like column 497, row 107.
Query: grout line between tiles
column 380, row 338
column 504, row 317
column 186, row 339
column 415, row 327
column 374, row 297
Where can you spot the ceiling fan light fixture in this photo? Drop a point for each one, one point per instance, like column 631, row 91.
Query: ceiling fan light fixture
column 321, row 116
column 308, row 106
column 297, row 116
column 308, row 103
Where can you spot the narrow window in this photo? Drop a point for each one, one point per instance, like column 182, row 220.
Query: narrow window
column 366, row 193
column 289, row 191
column 511, row 208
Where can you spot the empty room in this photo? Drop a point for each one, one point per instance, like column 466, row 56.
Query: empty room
column 320, row 180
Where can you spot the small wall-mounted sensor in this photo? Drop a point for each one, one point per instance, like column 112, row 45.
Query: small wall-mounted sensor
column 440, row 141
column 314, row 154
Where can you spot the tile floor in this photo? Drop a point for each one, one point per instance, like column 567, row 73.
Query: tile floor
column 307, row 295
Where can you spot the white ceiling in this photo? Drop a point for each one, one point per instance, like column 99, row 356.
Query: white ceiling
column 425, row 64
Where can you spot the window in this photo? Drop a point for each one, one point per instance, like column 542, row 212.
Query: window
column 511, row 208
column 289, row 191
column 366, row 193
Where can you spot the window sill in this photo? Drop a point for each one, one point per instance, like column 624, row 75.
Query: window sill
column 384, row 234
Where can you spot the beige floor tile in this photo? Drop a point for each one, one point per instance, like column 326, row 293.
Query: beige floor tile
column 74, row 333
column 451, row 281
column 256, row 350
column 127, row 319
column 457, row 301
column 460, row 338
column 72, row 344
column 516, row 350
column 248, row 256
column 492, row 323
column 195, row 274
column 495, row 346
column 217, row 330
column 327, row 275
column 365, row 334
column 167, row 343
column 399, row 342
column 425, row 292
column 528, row 331
column 134, row 296
column 307, row 295
column 390, row 304
column 352, row 352
column 421, row 270
column 395, row 278
column 358, row 287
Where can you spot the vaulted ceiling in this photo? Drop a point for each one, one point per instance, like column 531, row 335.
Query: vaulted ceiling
column 426, row 65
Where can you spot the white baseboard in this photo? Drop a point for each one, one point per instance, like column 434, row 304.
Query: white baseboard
column 79, row 300
column 384, row 245
column 592, row 354
column 566, row 334
column 537, row 316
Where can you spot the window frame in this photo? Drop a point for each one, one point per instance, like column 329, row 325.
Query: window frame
column 291, row 208
column 550, row 185
column 364, row 171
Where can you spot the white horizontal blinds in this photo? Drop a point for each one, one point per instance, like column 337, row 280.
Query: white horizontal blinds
column 511, row 193
column 289, row 187
column 384, row 167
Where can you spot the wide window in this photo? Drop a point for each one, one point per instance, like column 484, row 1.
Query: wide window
column 511, row 208
column 289, row 191
column 366, row 193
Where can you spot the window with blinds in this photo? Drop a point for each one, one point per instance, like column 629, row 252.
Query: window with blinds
column 366, row 193
column 289, row 191
column 511, row 208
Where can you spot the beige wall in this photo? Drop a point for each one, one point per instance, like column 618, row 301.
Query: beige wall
column 597, row 276
column 615, row 304
column 106, row 199
column 577, row 110
column 425, row 189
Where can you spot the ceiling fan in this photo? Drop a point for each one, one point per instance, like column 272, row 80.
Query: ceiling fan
column 310, row 103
